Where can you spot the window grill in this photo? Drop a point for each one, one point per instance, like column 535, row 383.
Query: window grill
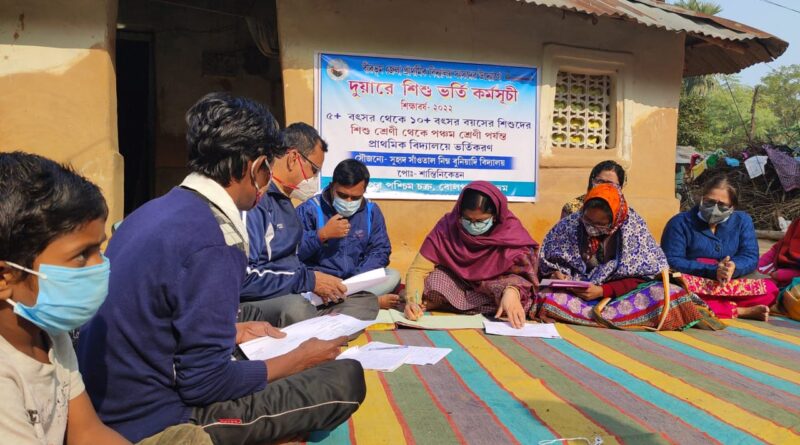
column 582, row 111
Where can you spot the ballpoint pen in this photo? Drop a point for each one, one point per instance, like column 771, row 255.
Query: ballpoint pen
column 388, row 347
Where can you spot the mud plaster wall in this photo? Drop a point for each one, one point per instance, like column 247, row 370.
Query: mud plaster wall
column 180, row 36
column 57, row 87
column 498, row 32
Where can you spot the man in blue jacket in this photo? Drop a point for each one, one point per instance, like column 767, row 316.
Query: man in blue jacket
column 344, row 234
column 158, row 352
column 276, row 278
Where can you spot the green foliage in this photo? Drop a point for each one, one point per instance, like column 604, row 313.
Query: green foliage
column 700, row 85
column 706, row 7
column 715, row 111
column 720, row 117
column 781, row 90
column 692, row 120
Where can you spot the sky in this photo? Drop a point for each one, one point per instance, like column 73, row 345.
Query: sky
column 773, row 19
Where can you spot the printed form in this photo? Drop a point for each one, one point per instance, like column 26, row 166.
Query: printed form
column 326, row 327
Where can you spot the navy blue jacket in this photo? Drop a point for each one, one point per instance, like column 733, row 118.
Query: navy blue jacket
column 275, row 232
column 162, row 341
column 366, row 247
column 687, row 238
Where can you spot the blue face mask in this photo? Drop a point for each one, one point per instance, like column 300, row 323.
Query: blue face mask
column 477, row 227
column 68, row 296
column 346, row 208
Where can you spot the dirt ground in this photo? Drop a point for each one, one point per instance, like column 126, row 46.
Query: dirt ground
column 764, row 245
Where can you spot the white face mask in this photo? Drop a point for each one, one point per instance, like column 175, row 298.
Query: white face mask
column 306, row 189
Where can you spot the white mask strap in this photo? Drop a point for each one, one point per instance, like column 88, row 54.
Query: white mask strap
column 25, row 269
column 253, row 171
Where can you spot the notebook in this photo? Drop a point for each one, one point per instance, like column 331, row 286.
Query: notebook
column 431, row 322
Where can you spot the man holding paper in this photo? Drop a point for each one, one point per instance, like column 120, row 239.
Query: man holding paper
column 276, row 277
column 344, row 233
column 158, row 352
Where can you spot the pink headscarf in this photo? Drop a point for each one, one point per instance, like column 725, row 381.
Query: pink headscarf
column 476, row 258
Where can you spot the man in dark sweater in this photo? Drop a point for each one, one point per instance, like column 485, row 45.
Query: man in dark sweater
column 158, row 353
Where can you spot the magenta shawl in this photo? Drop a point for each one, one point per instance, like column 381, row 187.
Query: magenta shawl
column 482, row 257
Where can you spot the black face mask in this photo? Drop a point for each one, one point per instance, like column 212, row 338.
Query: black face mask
column 714, row 213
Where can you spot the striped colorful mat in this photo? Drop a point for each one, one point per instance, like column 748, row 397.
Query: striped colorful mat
column 738, row 386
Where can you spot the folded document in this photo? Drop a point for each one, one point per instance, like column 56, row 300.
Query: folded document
column 326, row 327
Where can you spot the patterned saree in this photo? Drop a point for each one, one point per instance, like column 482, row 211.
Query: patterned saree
column 636, row 255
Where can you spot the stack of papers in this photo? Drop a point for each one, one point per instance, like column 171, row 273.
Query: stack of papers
column 432, row 322
column 538, row 330
column 387, row 357
column 356, row 283
column 326, row 327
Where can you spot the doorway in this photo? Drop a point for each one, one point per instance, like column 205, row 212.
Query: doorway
column 136, row 114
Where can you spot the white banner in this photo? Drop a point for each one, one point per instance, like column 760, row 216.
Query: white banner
column 426, row 128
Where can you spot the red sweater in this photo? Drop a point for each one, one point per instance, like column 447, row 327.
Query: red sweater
column 616, row 288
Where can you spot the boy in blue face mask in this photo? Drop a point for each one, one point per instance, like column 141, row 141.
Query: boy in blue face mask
column 344, row 234
column 53, row 278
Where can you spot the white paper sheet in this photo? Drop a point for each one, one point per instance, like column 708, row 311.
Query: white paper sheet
column 384, row 356
column 356, row 283
column 365, row 280
column 539, row 330
column 313, row 298
column 326, row 327
column 755, row 165
column 423, row 355
column 418, row 355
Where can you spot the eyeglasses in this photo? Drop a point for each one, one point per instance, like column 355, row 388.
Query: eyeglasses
column 723, row 206
column 587, row 222
column 314, row 167
column 478, row 221
column 602, row 181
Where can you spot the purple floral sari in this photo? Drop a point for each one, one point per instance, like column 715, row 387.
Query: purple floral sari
column 637, row 256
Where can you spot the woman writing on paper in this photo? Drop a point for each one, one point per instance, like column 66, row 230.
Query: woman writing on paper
column 478, row 259
column 713, row 246
column 608, row 244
